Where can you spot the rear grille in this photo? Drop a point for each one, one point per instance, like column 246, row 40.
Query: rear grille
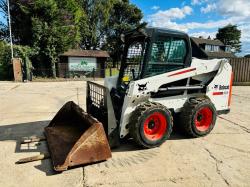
column 96, row 94
column 99, row 105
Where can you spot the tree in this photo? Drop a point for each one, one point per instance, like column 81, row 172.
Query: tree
column 50, row 27
column 20, row 21
column 54, row 29
column 123, row 17
column 230, row 35
column 93, row 27
column 247, row 56
column 3, row 25
column 53, row 26
column 6, row 68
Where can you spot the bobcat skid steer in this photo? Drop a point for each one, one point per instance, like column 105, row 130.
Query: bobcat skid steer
column 158, row 79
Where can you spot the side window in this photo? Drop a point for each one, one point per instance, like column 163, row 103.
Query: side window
column 134, row 59
column 159, row 51
column 167, row 54
column 177, row 52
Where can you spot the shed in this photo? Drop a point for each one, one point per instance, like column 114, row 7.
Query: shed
column 77, row 63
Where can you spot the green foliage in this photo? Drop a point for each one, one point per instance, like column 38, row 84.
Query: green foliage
column 23, row 52
column 5, row 66
column 247, row 56
column 230, row 35
column 93, row 27
column 55, row 29
column 123, row 17
column 111, row 72
column 52, row 27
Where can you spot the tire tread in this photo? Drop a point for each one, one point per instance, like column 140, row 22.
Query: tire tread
column 188, row 110
column 135, row 122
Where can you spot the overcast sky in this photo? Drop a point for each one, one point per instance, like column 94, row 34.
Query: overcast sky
column 199, row 17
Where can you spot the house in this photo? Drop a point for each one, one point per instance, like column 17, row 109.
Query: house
column 210, row 49
column 77, row 63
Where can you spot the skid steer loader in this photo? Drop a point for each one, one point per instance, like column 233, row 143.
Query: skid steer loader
column 158, row 79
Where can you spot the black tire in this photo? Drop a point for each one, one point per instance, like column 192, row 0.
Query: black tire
column 163, row 125
column 198, row 117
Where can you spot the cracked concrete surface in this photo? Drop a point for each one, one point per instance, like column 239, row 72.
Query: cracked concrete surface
column 219, row 159
column 217, row 163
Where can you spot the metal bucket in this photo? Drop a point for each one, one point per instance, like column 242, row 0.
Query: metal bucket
column 74, row 138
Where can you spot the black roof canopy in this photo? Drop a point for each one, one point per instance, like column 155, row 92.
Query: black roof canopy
column 151, row 30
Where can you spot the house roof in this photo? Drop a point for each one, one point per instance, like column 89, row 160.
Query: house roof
column 220, row 54
column 86, row 53
column 199, row 41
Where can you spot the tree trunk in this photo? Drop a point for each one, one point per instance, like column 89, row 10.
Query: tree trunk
column 116, row 58
column 53, row 68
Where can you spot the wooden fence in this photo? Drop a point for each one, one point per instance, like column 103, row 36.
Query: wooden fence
column 241, row 69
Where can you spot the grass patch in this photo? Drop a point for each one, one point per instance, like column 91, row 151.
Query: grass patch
column 114, row 71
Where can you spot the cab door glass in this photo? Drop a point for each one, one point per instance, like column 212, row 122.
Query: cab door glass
column 167, row 54
column 177, row 51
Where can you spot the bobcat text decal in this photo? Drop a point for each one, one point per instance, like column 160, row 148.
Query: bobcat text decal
column 221, row 87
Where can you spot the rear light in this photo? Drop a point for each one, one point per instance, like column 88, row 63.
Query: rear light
column 230, row 89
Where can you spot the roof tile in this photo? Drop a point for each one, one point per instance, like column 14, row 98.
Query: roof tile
column 199, row 41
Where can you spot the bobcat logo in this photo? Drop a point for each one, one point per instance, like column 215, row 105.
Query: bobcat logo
column 142, row 87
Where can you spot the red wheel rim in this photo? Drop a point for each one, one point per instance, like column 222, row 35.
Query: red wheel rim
column 155, row 126
column 203, row 119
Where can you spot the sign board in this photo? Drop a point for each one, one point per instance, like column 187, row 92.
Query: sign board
column 82, row 64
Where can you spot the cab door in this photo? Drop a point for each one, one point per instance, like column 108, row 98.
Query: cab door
column 167, row 53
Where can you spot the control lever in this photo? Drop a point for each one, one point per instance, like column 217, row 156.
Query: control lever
column 133, row 73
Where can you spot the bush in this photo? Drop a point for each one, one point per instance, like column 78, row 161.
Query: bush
column 6, row 68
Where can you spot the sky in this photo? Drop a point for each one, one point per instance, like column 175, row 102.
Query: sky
column 199, row 17
column 2, row 18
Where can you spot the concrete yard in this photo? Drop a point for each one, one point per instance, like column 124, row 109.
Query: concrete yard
column 219, row 159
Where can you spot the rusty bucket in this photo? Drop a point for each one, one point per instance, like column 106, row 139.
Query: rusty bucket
column 75, row 138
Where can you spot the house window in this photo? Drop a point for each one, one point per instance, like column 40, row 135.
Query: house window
column 208, row 47
column 228, row 49
column 212, row 48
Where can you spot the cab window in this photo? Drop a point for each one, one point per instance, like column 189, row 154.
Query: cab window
column 134, row 59
column 167, row 54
